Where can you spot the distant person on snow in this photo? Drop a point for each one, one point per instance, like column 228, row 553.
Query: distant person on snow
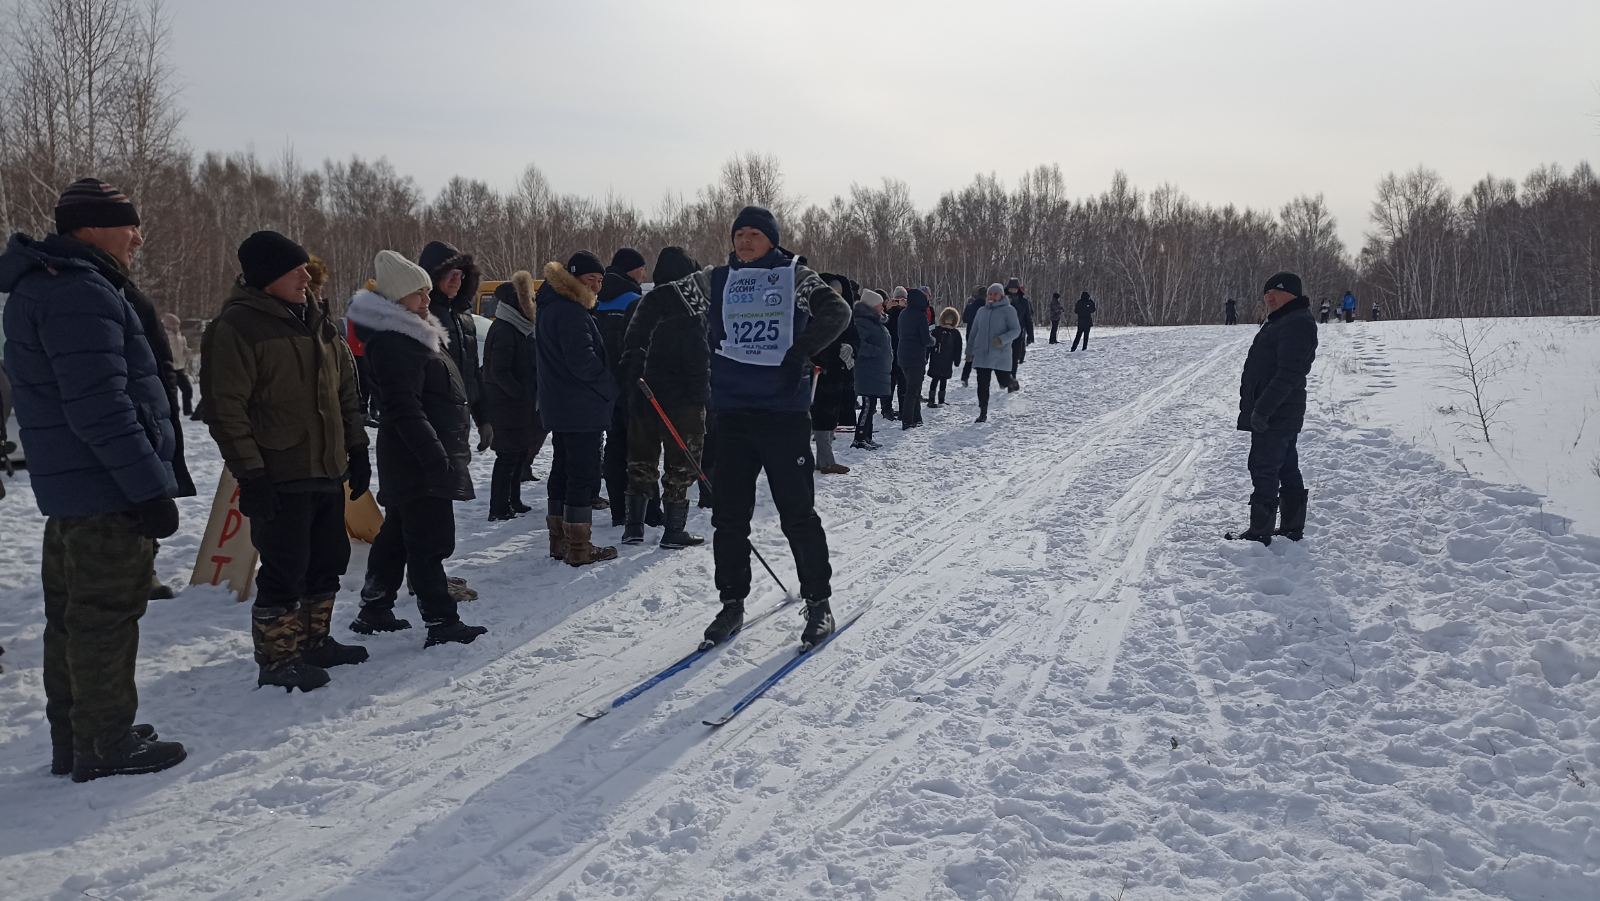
column 1374, row 313
column 769, row 315
column 94, row 415
column 912, row 343
column 989, row 345
column 1019, row 345
column 282, row 405
column 1085, row 309
column 618, row 297
column 834, row 400
column 1272, row 408
column 1326, row 309
column 968, row 314
column 942, row 358
column 874, row 359
column 424, row 452
column 1347, row 307
column 1230, row 312
column 892, row 309
column 1056, row 309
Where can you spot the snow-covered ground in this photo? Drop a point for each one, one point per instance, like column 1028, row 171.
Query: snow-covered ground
column 1067, row 686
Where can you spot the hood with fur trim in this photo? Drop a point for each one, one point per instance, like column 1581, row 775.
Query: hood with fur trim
column 564, row 283
column 372, row 312
column 950, row 317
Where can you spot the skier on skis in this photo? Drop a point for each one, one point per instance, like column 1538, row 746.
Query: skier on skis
column 1272, row 408
column 769, row 314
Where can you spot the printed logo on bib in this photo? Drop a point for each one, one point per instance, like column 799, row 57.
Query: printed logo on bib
column 758, row 315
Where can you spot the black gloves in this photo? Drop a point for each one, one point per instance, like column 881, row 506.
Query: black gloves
column 359, row 475
column 158, row 517
column 258, row 497
column 1260, row 422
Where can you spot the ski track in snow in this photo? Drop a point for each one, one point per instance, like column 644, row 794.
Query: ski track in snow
column 1067, row 686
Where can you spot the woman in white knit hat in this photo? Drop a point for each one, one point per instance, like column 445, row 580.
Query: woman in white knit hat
column 423, row 452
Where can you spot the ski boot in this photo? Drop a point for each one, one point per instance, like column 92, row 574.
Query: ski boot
column 819, row 624
column 729, row 620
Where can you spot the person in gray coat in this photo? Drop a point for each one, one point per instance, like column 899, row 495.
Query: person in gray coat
column 994, row 327
column 874, row 362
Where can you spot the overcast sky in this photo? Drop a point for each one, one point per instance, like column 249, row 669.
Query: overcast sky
column 1248, row 101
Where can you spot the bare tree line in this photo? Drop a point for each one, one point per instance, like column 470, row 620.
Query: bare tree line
column 85, row 89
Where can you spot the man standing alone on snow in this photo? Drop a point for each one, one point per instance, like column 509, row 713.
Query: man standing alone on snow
column 1056, row 309
column 1085, row 309
column 1230, row 313
column 769, row 315
column 100, row 435
column 1272, row 408
column 282, row 404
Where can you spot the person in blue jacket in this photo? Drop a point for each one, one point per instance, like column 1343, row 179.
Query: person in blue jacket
column 1348, row 307
column 93, row 412
column 769, row 315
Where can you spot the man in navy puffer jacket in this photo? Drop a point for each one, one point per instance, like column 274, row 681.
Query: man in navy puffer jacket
column 94, row 416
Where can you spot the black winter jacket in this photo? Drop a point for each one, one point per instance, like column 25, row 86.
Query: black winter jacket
column 576, row 386
column 666, row 345
column 1085, row 309
column 1274, row 381
column 835, row 401
column 946, row 353
column 618, row 300
column 424, row 443
column 511, row 372
column 456, row 315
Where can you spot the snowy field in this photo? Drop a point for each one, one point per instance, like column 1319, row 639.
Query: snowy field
column 1067, row 686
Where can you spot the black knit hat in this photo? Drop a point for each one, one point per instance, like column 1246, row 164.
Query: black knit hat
column 625, row 260
column 266, row 256
column 585, row 263
column 1283, row 281
column 758, row 218
column 1013, row 282
column 673, row 263
column 91, row 203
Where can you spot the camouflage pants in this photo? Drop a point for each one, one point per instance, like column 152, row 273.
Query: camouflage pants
column 96, row 587
column 648, row 438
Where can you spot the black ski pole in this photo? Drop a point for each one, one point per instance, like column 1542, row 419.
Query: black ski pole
column 699, row 473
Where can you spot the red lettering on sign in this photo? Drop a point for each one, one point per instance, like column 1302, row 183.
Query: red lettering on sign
column 220, row 561
column 231, row 524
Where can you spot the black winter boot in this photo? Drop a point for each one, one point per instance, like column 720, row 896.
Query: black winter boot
column 277, row 634
column 1262, row 517
column 378, row 619
column 983, row 415
column 61, row 748
column 633, row 522
column 677, row 534
column 128, row 755
column 653, row 517
column 501, row 479
column 457, row 632
column 318, row 647
column 1292, row 514
column 729, row 619
column 819, row 624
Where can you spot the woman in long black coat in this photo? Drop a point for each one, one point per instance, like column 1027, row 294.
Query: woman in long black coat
column 424, row 452
column 511, row 394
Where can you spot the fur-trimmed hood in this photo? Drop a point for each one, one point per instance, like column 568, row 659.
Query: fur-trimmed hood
column 372, row 312
column 951, row 314
column 565, row 284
